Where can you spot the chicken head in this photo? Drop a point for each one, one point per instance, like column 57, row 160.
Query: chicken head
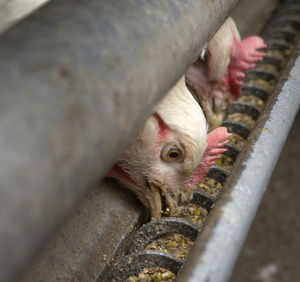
column 171, row 154
column 216, row 78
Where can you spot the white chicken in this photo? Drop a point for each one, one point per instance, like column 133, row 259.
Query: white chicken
column 216, row 79
column 171, row 154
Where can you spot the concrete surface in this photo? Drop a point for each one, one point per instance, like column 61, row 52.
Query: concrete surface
column 272, row 249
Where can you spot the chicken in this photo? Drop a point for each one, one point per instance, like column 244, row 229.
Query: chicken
column 171, row 153
column 215, row 79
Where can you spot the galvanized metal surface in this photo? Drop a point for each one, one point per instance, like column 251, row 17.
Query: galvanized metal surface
column 217, row 248
column 90, row 239
column 78, row 78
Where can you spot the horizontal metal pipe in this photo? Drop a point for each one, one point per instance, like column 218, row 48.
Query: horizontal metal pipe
column 217, row 248
column 78, row 78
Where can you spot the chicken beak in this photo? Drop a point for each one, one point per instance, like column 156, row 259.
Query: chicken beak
column 157, row 191
column 171, row 200
column 155, row 201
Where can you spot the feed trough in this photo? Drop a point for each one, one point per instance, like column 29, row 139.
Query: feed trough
column 244, row 119
column 108, row 236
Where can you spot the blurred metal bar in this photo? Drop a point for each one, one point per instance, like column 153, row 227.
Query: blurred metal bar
column 78, row 78
column 251, row 16
column 12, row 11
column 217, row 248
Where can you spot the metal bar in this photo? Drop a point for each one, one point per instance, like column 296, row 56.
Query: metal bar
column 99, row 229
column 12, row 11
column 78, row 78
column 247, row 183
column 255, row 12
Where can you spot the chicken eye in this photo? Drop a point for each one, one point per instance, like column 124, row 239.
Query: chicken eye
column 171, row 153
column 174, row 154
